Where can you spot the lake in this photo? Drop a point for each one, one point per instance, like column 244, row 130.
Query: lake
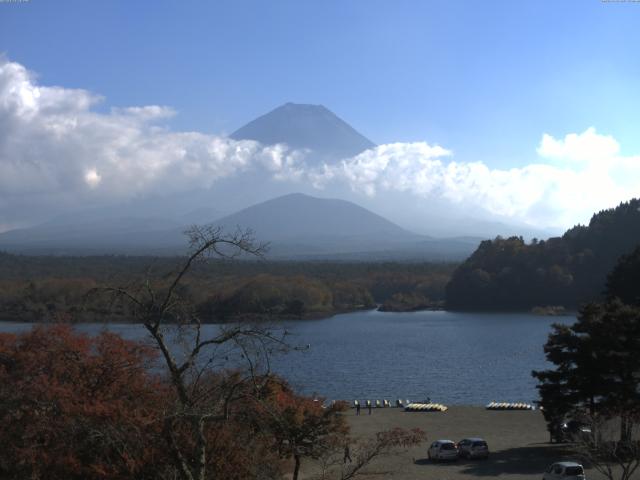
column 453, row 358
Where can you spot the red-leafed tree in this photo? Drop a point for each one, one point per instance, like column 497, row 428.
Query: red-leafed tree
column 79, row 407
column 302, row 426
column 74, row 406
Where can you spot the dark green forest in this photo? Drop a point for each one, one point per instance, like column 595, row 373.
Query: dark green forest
column 568, row 271
column 46, row 288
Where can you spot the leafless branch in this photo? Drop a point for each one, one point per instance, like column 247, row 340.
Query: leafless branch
column 612, row 446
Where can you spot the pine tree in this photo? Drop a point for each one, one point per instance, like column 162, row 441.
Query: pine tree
column 597, row 365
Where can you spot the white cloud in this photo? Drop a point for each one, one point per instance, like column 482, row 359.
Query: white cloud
column 588, row 146
column 588, row 175
column 92, row 177
column 395, row 166
column 56, row 152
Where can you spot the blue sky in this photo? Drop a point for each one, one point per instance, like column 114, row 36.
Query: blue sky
column 484, row 79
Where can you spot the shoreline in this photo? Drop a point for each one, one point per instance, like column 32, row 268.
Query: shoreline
column 313, row 316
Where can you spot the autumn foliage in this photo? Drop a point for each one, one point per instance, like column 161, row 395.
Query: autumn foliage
column 74, row 406
column 302, row 427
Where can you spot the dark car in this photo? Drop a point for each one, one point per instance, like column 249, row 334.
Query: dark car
column 473, row 447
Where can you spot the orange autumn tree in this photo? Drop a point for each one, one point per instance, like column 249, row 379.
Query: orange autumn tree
column 78, row 407
column 238, row 447
column 74, row 406
column 302, row 427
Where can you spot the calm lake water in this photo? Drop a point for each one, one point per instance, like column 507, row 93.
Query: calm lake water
column 453, row 358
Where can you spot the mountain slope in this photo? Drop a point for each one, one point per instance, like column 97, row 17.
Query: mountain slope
column 509, row 274
column 304, row 227
column 297, row 226
column 298, row 216
column 304, row 126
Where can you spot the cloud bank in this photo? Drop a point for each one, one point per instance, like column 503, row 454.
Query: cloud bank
column 54, row 149
column 58, row 152
column 587, row 174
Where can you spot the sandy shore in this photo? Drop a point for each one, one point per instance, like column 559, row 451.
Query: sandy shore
column 518, row 441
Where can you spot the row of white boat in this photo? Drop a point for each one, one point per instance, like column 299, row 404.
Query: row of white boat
column 510, row 406
column 376, row 403
column 438, row 407
column 406, row 404
column 426, row 407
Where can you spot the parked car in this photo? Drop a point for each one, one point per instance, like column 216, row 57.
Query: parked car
column 443, row 450
column 473, row 447
column 564, row 471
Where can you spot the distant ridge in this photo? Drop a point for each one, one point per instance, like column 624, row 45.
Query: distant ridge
column 298, row 216
column 300, row 226
column 303, row 126
column 297, row 226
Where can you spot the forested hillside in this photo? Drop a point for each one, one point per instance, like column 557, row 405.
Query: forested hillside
column 41, row 289
column 509, row 274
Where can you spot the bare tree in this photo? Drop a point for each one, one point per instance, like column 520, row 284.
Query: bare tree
column 200, row 401
column 365, row 451
column 613, row 454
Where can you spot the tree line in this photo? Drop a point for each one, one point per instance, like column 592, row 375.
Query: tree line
column 41, row 289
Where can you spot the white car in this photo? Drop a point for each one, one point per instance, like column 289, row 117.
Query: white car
column 443, row 450
column 473, row 448
column 564, row 471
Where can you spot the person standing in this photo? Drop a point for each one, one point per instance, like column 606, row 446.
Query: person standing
column 369, row 406
column 358, row 408
column 347, row 453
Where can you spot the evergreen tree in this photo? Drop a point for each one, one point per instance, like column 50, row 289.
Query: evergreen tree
column 624, row 281
column 510, row 274
column 597, row 365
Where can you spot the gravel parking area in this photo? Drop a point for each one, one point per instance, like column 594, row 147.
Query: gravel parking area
column 518, row 441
